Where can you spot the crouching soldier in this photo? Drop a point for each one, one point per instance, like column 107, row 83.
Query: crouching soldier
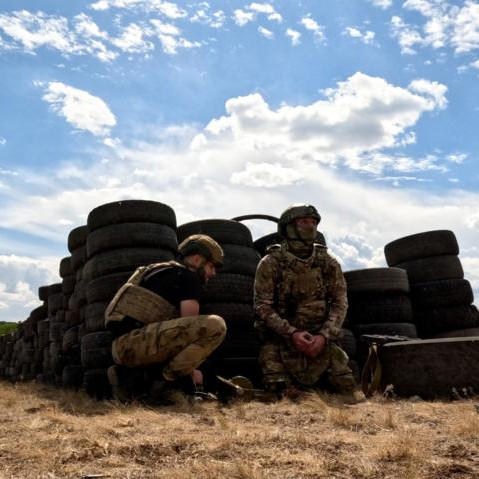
column 160, row 337
column 301, row 302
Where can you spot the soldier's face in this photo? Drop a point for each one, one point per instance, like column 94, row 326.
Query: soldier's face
column 306, row 222
column 210, row 270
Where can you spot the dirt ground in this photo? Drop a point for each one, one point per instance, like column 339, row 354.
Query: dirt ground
column 51, row 433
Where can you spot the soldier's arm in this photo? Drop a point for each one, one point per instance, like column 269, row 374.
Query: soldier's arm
column 264, row 288
column 336, row 294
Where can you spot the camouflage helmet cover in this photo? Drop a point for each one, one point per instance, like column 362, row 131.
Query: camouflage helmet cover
column 204, row 245
column 294, row 211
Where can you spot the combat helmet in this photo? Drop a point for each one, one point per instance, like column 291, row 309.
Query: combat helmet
column 294, row 211
column 204, row 245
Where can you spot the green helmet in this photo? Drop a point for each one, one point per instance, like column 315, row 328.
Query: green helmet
column 204, row 245
column 294, row 211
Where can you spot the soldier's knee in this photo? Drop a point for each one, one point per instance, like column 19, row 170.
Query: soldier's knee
column 215, row 325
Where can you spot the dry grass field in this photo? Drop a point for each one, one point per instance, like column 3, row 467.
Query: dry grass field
column 51, row 433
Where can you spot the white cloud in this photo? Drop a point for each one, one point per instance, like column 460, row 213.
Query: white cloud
column 458, row 158
column 362, row 115
column 168, row 9
column 81, row 109
column 33, row 31
column 267, row 9
column 131, row 40
column 3, row 141
column 241, row 17
column 294, row 36
column 446, row 25
column 312, row 25
column 266, row 33
column 366, row 37
column 20, row 278
column 171, row 44
column 266, row 175
column 384, row 4
column 203, row 15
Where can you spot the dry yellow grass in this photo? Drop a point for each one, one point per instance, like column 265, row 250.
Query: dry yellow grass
column 51, row 433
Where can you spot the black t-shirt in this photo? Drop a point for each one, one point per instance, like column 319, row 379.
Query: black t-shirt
column 175, row 284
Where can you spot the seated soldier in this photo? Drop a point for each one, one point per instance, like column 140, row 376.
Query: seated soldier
column 160, row 336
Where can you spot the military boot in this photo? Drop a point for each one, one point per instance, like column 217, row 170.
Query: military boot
column 127, row 383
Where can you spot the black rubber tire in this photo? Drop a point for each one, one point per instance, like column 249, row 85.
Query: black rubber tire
column 442, row 293
column 434, row 321
column 96, row 385
column 348, row 343
column 72, row 376
column 130, row 211
column 77, row 238
column 377, row 280
column 104, row 288
column 237, row 315
column 434, row 268
column 68, row 284
column 43, row 292
column 57, row 330
column 78, row 258
column 55, row 302
column 121, row 260
column 431, row 368
column 391, row 329
column 223, row 231
column 262, row 243
column 96, row 350
column 240, row 260
column 237, row 344
column 70, row 338
column 95, row 316
column 421, row 245
column 79, row 273
column 39, row 313
column 72, row 317
column 125, row 235
column 229, row 288
column 65, row 268
column 458, row 333
column 54, row 289
column 380, row 308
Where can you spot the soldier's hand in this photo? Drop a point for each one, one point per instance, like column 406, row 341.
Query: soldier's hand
column 317, row 346
column 302, row 341
column 197, row 377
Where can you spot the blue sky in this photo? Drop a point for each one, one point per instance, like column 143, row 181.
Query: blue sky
column 366, row 108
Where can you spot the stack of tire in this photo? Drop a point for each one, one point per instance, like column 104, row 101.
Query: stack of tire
column 378, row 303
column 72, row 375
column 230, row 295
column 441, row 297
column 121, row 237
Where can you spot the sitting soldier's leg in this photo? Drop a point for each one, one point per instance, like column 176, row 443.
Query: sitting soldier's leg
column 340, row 375
column 275, row 377
column 191, row 341
column 183, row 342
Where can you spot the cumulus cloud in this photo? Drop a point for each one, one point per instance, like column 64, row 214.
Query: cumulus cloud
column 266, row 175
column 242, row 17
column 250, row 13
column 266, row 33
column 294, row 35
column 81, row 109
column 20, row 278
column 312, row 25
column 365, row 37
column 384, row 4
column 31, row 31
column 132, row 40
column 204, row 16
column 3, row 141
column 446, row 25
column 168, row 9
column 361, row 116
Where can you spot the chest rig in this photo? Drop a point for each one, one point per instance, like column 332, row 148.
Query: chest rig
column 300, row 294
column 140, row 303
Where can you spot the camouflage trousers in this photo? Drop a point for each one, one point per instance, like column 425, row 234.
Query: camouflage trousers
column 182, row 344
column 281, row 362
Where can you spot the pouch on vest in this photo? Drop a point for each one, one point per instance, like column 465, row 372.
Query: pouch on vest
column 140, row 303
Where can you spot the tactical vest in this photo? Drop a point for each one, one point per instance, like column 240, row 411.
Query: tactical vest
column 300, row 295
column 140, row 303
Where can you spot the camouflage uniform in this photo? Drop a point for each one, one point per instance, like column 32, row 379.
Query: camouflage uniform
column 307, row 295
column 181, row 344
